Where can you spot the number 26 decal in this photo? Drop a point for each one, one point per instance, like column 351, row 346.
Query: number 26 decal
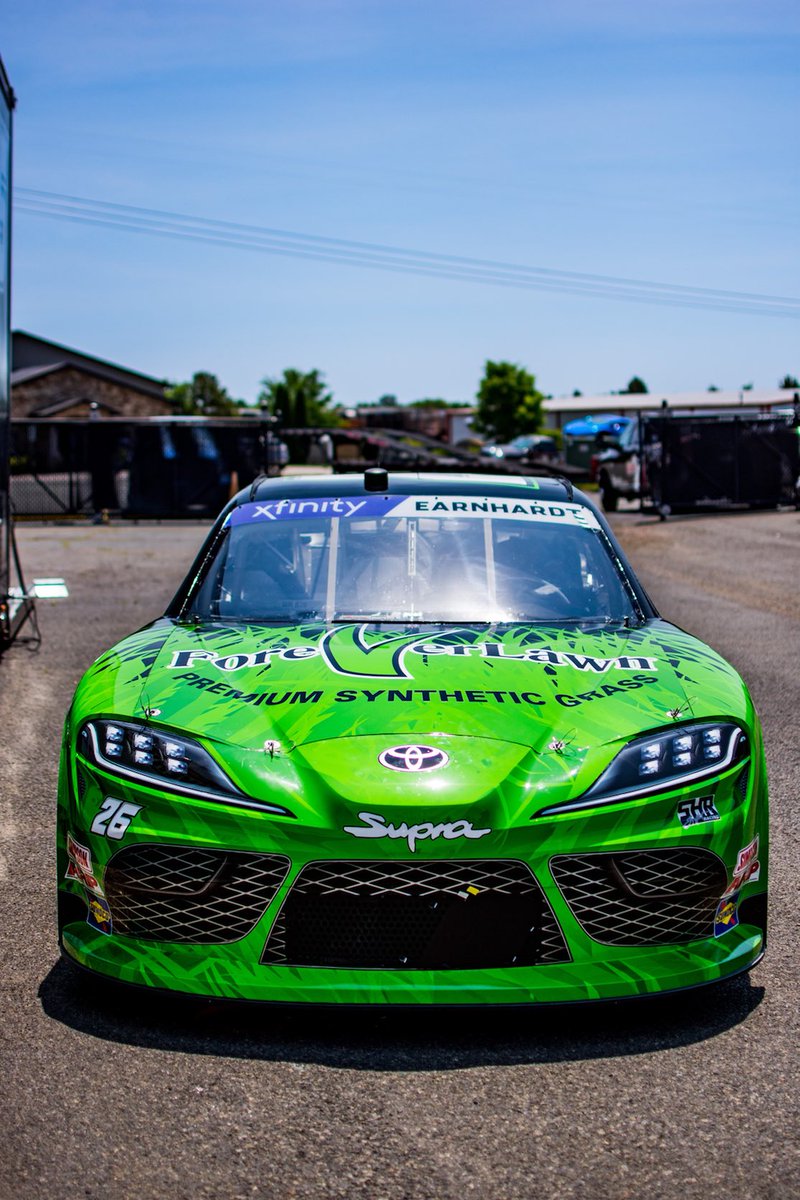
column 114, row 818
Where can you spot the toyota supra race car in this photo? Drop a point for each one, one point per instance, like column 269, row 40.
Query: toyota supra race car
column 408, row 739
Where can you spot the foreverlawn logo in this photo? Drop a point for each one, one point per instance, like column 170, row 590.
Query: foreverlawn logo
column 347, row 650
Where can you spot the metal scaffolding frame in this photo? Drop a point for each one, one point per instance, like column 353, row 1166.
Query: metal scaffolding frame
column 17, row 604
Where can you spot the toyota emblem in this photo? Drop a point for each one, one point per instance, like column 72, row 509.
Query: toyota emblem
column 413, row 758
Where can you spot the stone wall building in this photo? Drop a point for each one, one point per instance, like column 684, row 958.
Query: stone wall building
column 49, row 381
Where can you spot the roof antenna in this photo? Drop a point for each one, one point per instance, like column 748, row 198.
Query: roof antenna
column 376, row 479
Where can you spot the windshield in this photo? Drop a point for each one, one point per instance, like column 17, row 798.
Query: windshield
column 412, row 559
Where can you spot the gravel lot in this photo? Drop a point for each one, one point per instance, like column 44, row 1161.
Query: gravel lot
column 671, row 1098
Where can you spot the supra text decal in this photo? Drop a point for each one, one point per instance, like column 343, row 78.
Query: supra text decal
column 376, row 826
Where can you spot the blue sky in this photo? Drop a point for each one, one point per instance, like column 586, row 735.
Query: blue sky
column 648, row 141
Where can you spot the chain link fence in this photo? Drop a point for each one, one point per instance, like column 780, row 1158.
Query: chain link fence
column 182, row 468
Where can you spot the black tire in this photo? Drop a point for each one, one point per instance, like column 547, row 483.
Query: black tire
column 609, row 496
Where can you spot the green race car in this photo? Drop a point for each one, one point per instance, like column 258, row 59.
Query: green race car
column 409, row 740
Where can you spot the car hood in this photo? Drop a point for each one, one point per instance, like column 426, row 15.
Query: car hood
column 557, row 697
column 517, row 683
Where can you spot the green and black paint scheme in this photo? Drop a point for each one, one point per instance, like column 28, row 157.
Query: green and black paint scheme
column 289, row 863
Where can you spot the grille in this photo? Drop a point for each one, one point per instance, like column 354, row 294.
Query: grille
column 740, row 787
column 643, row 898
column 80, row 780
column 190, row 894
column 470, row 914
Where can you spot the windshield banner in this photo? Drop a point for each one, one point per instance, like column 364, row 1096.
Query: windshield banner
column 372, row 507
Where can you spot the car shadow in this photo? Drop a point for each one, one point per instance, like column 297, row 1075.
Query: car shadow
column 398, row 1040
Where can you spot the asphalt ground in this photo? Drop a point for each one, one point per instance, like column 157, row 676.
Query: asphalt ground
column 683, row 1096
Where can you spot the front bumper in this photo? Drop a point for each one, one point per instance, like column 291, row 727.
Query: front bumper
column 683, row 941
column 217, row 972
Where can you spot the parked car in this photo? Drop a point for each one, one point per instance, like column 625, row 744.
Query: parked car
column 596, row 423
column 584, row 436
column 618, row 467
column 527, row 445
column 412, row 740
column 277, row 454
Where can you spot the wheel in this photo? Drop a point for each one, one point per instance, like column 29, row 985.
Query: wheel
column 609, row 497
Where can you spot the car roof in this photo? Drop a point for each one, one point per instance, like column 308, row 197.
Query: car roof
column 411, row 483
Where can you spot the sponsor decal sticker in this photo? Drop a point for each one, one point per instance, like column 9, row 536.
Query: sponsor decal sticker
column 727, row 914
column 697, row 811
column 348, row 695
column 376, row 826
column 224, row 691
column 604, row 690
column 99, row 915
column 80, row 867
column 477, row 507
column 294, row 510
column 747, row 869
column 79, row 854
column 346, row 651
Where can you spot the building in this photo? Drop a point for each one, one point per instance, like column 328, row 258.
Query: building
column 559, row 410
column 49, row 381
column 449, row 424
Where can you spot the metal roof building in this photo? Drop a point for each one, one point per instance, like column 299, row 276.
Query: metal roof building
column 560, row 409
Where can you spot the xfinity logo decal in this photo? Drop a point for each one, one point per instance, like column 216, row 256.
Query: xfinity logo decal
column 376, row 826
column 276, row 510
column 413, row 758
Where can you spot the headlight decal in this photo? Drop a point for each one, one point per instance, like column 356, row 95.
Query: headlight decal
column 662, row 760
column 162, row 759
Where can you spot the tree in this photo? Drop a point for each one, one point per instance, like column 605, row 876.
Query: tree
column 789, row 381
column 299, row 399
column 508, row 402
column 429, row 403
column 636, row 387
column 203, row 395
